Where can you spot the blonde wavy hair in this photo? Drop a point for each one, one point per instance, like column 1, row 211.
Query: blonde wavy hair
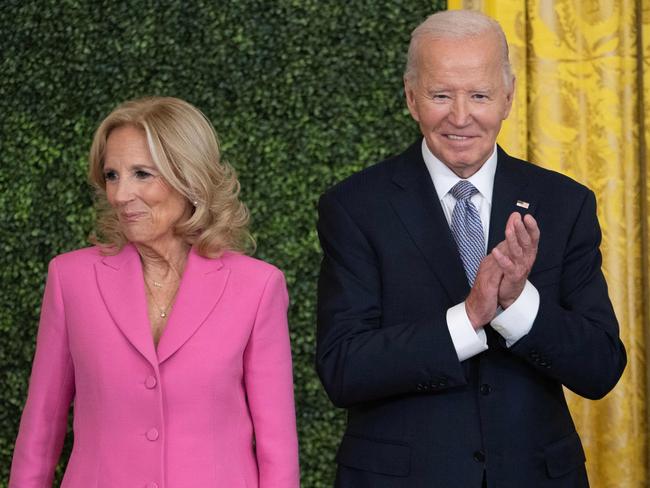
column 185, row 149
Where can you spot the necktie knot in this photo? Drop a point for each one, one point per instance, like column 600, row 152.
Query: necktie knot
column 463, row 190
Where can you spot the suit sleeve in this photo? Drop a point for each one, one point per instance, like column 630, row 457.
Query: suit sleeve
column 575, row 338
column 269, row 388
column 51, row 389
column 360, row 357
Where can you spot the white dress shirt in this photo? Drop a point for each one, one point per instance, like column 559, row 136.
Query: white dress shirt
column 512, row 323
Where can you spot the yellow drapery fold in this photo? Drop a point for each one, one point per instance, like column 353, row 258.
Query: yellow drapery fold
column 583, row 82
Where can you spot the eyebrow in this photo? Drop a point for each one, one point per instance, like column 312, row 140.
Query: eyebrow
column 144, row 166
column 135, row 167
column 482, row 89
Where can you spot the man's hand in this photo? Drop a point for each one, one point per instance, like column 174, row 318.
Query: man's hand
column 482, row 301
column 515, row 256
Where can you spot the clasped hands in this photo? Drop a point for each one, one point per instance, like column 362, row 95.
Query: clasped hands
column 503, row 273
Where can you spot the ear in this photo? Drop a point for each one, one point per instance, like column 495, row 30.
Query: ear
column 510, row 96
column 409, row 92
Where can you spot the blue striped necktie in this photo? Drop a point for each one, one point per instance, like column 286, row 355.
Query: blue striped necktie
column 467, row 229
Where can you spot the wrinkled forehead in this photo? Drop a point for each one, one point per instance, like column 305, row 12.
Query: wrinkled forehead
column 450, row 53
column 470, row 56
column 447, row 45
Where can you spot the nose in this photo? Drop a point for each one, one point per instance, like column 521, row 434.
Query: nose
column 460, row 114
column 122, row 192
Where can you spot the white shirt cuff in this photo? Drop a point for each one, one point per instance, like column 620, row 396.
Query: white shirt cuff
column 467, row 341
column 516, row 321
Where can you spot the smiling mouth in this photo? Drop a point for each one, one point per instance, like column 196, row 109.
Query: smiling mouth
column 455, row 137
column 131, row 217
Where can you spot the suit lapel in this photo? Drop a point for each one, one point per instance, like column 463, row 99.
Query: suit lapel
column 201, row 287
column 416, row 203
column 121, row 286
column 510, row 187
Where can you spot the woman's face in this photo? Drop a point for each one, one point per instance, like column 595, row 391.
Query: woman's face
column 147, row 207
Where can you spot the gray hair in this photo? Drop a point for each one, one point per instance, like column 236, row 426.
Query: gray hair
column 456, row 24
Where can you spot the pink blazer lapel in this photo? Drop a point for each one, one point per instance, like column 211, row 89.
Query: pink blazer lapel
column 201, row 288
column 121, row 286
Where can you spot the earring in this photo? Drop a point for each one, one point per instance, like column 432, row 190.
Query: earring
column 195, row 203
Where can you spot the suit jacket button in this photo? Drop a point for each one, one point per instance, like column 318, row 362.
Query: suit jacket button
column 479, row 456
column 152, row 484
column 152, row 434
column 150, row 382
column 485, row 389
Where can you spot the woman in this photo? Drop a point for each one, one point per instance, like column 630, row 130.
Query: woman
column 172, row 343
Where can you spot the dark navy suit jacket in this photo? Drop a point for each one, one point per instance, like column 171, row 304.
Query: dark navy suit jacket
column 417, row 417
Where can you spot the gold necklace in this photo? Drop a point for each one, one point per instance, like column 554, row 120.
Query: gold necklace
column 163, row 284
column 162, row 310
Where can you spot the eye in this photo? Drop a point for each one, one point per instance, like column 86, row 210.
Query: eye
column 110, row 175
column 440, row 96
column 142, row 174
column 480, row 96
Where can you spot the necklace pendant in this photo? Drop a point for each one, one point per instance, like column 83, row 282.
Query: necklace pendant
column 163, row 314
column 157, row 284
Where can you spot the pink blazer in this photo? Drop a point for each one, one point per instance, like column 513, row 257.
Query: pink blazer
column 212, row 406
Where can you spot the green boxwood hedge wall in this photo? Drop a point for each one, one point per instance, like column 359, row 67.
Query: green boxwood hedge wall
column 302, row 94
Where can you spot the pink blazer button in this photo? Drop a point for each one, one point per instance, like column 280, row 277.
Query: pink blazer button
column 152, row 484
column 152, row 434
column 150, row 382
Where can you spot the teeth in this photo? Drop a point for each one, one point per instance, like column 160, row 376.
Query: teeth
column 455, row 137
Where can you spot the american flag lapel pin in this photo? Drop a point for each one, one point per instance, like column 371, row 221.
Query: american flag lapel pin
column 522, row 204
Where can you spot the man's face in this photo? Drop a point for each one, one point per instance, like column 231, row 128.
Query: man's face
column 459, row 97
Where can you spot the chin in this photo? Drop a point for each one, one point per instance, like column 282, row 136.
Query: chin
column 457, row 161
column 135, row 238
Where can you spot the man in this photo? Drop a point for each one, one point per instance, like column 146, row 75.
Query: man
column 460, row 289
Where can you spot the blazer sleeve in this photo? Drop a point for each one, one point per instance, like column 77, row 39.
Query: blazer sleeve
column 360, row 357
column 51, row 389
column 575, row 337
column 269, row 388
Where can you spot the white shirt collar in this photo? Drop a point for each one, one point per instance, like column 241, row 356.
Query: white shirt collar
column 444, row 178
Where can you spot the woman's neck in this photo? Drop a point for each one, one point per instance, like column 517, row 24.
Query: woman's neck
column 164, row 264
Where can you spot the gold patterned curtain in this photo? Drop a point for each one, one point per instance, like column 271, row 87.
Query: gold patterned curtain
column 583, row 92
